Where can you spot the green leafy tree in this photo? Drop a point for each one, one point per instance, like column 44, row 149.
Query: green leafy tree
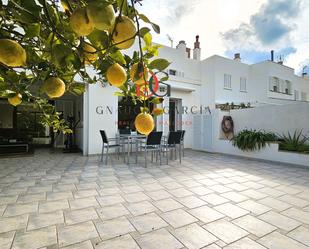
column 46, row 47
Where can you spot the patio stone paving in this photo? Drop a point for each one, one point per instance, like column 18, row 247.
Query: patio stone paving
column 210, row 201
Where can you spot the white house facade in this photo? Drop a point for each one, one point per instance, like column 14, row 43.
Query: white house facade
column 196, row 85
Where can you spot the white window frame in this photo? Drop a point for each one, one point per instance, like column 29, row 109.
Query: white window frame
column 243, row 84
column 227, row 82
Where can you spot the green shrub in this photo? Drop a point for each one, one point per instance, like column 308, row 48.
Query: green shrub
column 295, row 142
column 250, row 140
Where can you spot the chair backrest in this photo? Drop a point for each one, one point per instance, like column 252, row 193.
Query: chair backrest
column 174, row 137
column 182, row 134
column 154, row 138
column 124, row 131
column 104, row 137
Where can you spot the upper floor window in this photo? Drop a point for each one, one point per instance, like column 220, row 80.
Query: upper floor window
column 296, row 95
column 172, row 72
column 280, row 85
column 303, row 96
column 176, row 73
column 274, row 84
column 227, row 81
column 287, row 87
column 243, row 84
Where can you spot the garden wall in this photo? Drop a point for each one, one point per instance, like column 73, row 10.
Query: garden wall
column 279, row 119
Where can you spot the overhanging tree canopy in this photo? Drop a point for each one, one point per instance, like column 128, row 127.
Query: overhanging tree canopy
column 46, row 46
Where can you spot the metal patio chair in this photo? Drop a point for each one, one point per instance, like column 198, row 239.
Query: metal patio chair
column 170, row 145
column 153, row 144
column 182, row 145
column 106, row 144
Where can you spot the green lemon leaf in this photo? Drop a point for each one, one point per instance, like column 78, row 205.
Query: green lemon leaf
column 159, row 64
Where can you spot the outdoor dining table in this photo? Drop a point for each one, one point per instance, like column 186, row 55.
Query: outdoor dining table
column 131, row 139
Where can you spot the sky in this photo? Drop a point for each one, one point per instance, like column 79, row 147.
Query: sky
column 250, row 27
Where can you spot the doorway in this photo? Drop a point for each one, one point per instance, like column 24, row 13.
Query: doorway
column 175, row 114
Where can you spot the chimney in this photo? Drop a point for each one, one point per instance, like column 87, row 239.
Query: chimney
column 182, row 46
column 197, row 49
column 188, row 50
column 272, row 55
column 237, row 57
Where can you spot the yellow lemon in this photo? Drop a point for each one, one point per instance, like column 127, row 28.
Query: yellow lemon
column 102, row 16
column 54, row 87
column 140, row 78
column 125, row 29
column 11, row 53
column 80, row 23
column 116, row 75
column 16, row 100
column 144, row 123
column 89, row 53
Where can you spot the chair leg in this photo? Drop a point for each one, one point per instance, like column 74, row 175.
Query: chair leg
column 106, row 155
column 160, row 156
column 180, row 154
column 145, row 158
column 102, row 152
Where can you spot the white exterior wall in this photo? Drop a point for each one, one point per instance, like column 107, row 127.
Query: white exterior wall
column 197, row 83
column 257, row 75
column 270, row 118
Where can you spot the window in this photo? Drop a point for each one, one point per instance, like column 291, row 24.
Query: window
column 243, row 84
column 303, row 96
column 172, row 72
column 227, row 81
column 296, row 95
column 287, row 89
column 274, row 84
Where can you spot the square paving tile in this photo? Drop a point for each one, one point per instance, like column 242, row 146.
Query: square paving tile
column 111, row 212
column 44, row 220
column 18, row 209
column 135, row 197
column 167, row 205
column 254, row 207
column 36, row 238
column 231, row 210
column 139, row 208
column 226, row 231
column 191, row 201
column 300, row 234
column 110, row 200
column 73, row 234
column 82, row 245
column 245, row 243
column 297, row 214
column 275, row 203
column 148, row 222
column 123, row 242
column 13, row 223
column 114, row 228
column 158, row 239
column 206, row 214
column 6, row 240
column 84, row 203
column 279, row 220
column 214, row 199
column 178, row 218
column 276, row 240
column 254, row 225
column 80, row 215
column 51, row 206
column 159, row 194
column 194, row 236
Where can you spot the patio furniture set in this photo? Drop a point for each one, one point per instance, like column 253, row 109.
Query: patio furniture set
column 127, row 143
